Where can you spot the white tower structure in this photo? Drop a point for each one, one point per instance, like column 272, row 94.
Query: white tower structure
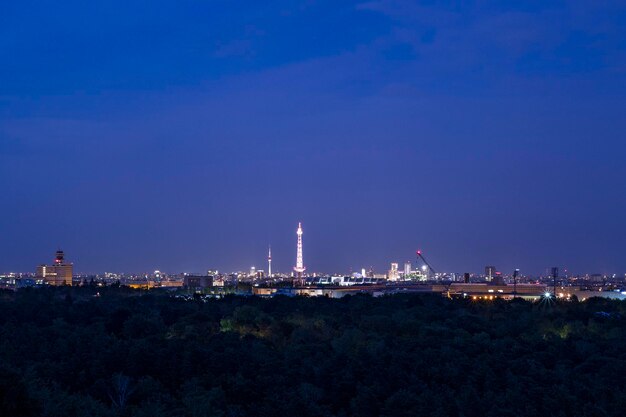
column 299, row 263
column 269, row 262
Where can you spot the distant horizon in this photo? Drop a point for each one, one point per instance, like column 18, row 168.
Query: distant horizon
column 263, row 267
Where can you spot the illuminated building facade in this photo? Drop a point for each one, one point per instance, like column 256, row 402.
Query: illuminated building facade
column 393, row 272
column 60, row 273
column 490, row 272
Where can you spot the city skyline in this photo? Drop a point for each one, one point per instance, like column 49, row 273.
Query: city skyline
column 195, row 135
column 299, row 270
column 322, row 208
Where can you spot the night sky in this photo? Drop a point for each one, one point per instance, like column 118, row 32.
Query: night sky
column 187, row 135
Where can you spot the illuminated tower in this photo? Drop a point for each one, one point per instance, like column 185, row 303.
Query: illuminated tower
column 269, row 262
column 299, row 263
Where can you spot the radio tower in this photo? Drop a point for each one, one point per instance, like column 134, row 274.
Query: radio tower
column 269, row 263
column 299, row 264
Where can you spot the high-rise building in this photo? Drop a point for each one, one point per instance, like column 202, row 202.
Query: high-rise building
column 498, row 279
column 299, row 268
column 393, row 272
column 490, row 272
column 59, row 273
column 407, row 269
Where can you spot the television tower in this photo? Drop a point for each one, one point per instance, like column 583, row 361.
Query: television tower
column 269, row 263
column 299, row 264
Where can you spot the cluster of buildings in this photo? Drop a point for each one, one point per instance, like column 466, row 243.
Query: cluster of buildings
column 419, row 278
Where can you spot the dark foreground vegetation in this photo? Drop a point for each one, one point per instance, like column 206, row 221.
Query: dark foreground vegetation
column 64, row 352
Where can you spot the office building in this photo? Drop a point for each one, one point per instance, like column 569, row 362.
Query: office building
column 490, row 272
column 197, row 282
column 59, row 273
column 393, row 272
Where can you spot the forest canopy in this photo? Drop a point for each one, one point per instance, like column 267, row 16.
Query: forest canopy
column 118, row 352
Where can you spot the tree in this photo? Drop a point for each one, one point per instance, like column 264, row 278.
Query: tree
column 120, row 391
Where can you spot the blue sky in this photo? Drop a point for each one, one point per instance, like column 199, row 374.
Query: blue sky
column 179, row 136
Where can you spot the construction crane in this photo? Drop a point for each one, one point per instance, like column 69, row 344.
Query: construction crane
column 420, row 256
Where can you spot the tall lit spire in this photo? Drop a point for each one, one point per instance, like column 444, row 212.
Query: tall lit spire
column 269, row 262
column 299, row 263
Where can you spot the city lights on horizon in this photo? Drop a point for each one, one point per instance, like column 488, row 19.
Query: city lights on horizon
column 423, row 269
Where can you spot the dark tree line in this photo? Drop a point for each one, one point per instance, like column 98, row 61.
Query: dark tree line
column 65, row 352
